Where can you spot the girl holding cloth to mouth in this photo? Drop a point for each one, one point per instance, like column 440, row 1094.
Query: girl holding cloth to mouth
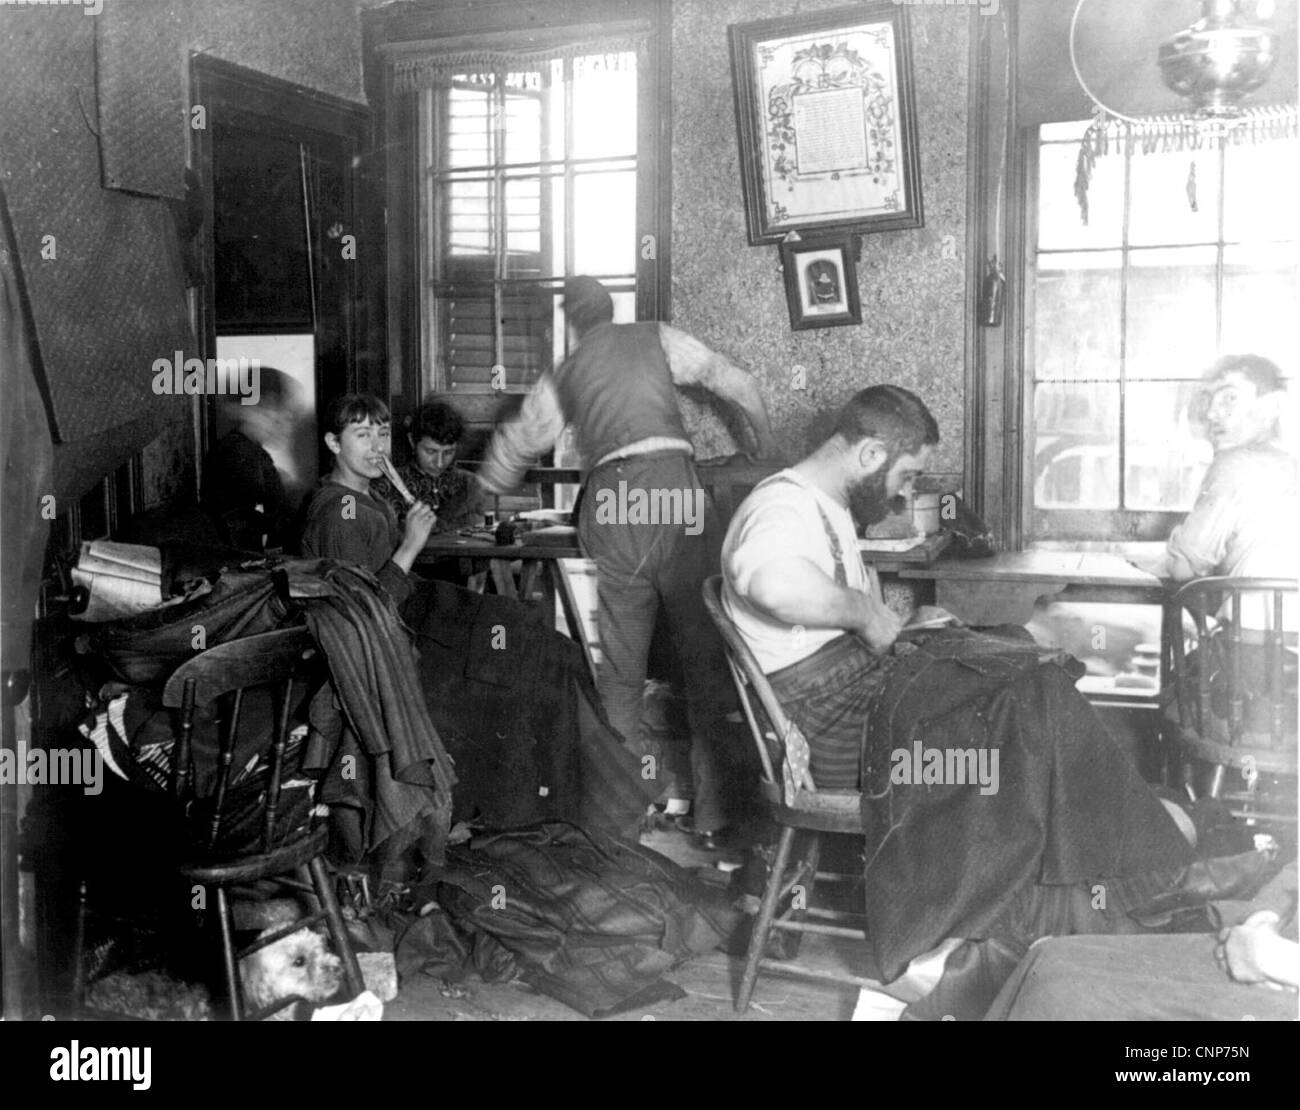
column 343, row 520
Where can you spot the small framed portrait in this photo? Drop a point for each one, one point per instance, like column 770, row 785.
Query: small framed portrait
column 821, row 282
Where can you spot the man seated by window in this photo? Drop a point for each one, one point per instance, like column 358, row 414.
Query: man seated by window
column 997, row 807
column 1243, row 522
column 343, row 519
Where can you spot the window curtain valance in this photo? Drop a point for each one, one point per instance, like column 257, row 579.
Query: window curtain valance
column 1177, row 133
column 433, row 68
column 1163, row 134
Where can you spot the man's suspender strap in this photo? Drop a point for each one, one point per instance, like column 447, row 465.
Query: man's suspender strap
column 832, row 537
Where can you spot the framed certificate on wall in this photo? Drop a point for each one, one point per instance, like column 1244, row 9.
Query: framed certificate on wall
column 826, row 122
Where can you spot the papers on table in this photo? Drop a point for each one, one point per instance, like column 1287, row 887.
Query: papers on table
column 123, row 579
column 903, row 543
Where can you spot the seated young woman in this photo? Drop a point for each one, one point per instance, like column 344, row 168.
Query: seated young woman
column 344, row 519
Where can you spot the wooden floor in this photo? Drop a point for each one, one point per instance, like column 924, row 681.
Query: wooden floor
column 709, row 982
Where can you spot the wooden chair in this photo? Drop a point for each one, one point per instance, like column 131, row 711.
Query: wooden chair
column 1230, row 694
column 825, row 811
column 277, row 660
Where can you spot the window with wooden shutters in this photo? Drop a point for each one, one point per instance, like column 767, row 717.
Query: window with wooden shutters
column 528, row 173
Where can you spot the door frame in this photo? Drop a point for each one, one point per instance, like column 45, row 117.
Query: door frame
column 287, row 110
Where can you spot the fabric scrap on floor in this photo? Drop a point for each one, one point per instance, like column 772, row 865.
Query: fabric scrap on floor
column 580, row 915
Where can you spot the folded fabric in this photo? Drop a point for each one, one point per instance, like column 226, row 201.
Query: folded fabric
column 589, row 919
column 400, row 775
column 1067, row 809
column 516, row 707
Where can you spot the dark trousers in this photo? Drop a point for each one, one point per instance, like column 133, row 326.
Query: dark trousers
column 827, row 695
column 640, row 568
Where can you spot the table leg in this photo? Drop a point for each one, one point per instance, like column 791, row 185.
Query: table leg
column 1216, row 780
column 528, row 579
column 560, row 584
column 503, row 579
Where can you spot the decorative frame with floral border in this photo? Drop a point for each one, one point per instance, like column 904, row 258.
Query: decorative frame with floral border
column 821, row 282
column 826, row 117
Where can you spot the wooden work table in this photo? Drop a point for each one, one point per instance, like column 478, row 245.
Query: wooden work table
column 538, row 550
column 1004, row 588
column 557, row 542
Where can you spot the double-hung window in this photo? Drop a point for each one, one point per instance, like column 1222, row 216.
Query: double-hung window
column 1182, row 255
column 528, row 174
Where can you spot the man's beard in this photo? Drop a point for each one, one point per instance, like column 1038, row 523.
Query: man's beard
column 869, row 502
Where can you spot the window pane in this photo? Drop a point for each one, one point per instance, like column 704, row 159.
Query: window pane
column 557, row 232
column 604, row 106
column 1076, row 316
column 1260, row 185
column 523, row 227
column 503, row 234
column 604, row 207
column 1221, row 278
column 1261, row 302
column 1060, row 224
column 1170, row 312
column 523, row 126
column 1160, row 209
column 1164, row 457
column 1076, row 446
column 469, row 218
column 525, row 333
column 624, row 307
column 469, row 134
column 553, row 136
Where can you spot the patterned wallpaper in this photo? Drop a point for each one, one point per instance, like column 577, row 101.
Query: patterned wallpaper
column 912, row 283
column 316, row 43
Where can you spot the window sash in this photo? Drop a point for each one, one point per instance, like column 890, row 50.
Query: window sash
column 1042, row 522
column 447, row 275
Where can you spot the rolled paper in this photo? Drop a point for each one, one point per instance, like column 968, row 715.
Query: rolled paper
column 390, row 472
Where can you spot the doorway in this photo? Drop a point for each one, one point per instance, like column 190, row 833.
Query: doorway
column 287, row 248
